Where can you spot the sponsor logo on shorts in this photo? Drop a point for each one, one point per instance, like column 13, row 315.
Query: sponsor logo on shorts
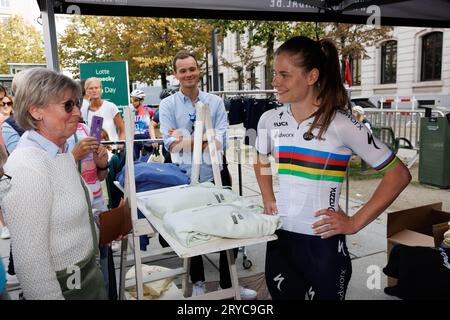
column 341, row 248
column 311, row 293
column 278, row 279
column 342, row 281
column 445, row 257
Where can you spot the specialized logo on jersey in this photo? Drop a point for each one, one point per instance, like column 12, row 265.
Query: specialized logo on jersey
column 281, row 114
column 311, row 293
column 311, row 164
column 283, row 135
column 332, row 198
column 386, row 165
column 341, row 248
column 352, row 118
column 280, row 279
column 370, row 140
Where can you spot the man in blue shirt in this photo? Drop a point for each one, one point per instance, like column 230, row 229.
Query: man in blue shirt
column 177, row 116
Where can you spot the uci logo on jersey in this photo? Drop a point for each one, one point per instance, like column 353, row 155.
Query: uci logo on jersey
column 280, row 124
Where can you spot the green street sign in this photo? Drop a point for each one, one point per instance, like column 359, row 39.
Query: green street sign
column 114, row 78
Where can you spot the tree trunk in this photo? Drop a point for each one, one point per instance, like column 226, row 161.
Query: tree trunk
column 163, row 80
column 269, row 61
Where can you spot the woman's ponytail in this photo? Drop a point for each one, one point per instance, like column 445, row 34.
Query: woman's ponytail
column 332, row 94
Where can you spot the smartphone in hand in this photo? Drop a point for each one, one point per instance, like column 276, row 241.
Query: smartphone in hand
column 96, row 128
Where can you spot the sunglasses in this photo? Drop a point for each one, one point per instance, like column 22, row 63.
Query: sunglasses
column 9, row 104
column 70, row 104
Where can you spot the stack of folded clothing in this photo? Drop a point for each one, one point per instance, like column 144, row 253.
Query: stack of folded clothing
column 237, row 220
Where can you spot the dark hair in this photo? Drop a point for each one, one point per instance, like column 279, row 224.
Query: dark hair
column 182, row 54
column 3, row 89
column 322, row 55
column 83, row 90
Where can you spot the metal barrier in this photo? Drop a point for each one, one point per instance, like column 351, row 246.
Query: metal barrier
column 404, row 123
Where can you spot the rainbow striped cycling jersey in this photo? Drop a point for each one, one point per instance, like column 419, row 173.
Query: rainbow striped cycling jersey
column 311, row 171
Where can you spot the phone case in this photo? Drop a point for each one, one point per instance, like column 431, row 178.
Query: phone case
column 96, row 127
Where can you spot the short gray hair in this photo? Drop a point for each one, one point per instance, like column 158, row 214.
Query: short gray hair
column 39, row 88
column 17, row 80
column 88, row 82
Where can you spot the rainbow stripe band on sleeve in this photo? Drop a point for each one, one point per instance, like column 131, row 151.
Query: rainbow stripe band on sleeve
column 386, row 165
column 311, row 164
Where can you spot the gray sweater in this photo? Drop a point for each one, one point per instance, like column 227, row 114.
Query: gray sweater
column 47, row 214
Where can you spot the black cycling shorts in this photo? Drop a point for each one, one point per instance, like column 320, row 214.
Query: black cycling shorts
column 299, row 265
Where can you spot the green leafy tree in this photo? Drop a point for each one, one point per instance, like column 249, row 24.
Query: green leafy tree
column 246, row 62
column 266, row 33
column 15, row 47
column 352, row 39
column 148, row 44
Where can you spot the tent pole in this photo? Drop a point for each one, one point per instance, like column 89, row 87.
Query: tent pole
column 50, row 40
column 215, row 62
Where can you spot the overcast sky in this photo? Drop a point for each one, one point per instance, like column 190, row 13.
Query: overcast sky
column 29, row 9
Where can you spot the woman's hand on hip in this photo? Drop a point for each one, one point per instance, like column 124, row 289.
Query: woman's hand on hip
column 333, row 223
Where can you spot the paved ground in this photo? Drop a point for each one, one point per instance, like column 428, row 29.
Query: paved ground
column 367, row 248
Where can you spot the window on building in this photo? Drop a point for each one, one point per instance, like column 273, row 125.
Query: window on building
column 221, row 83
column 238, row 41
column 431, row 57
column 252, row 79
column 240, row 79
column 250, row 34
column 210, row 84
column 355, row 69
column 389, row 62
column 267, row 86
column 5, row 4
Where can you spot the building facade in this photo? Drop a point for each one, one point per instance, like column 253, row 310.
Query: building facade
column 408, row 70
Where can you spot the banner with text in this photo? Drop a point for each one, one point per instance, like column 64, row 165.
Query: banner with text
column 114, row 78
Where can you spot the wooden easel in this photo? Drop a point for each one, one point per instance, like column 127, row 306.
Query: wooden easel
column 142, row 226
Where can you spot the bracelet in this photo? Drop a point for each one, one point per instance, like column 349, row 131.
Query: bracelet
column 104, row 168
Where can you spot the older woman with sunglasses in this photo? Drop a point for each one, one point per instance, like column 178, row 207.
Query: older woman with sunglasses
column 48, row 207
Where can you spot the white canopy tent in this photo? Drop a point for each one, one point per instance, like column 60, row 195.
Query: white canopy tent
column 429, row 13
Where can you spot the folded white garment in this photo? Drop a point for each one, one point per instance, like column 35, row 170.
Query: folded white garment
column 240, row 219
column 188, row 197
column 152, row 290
